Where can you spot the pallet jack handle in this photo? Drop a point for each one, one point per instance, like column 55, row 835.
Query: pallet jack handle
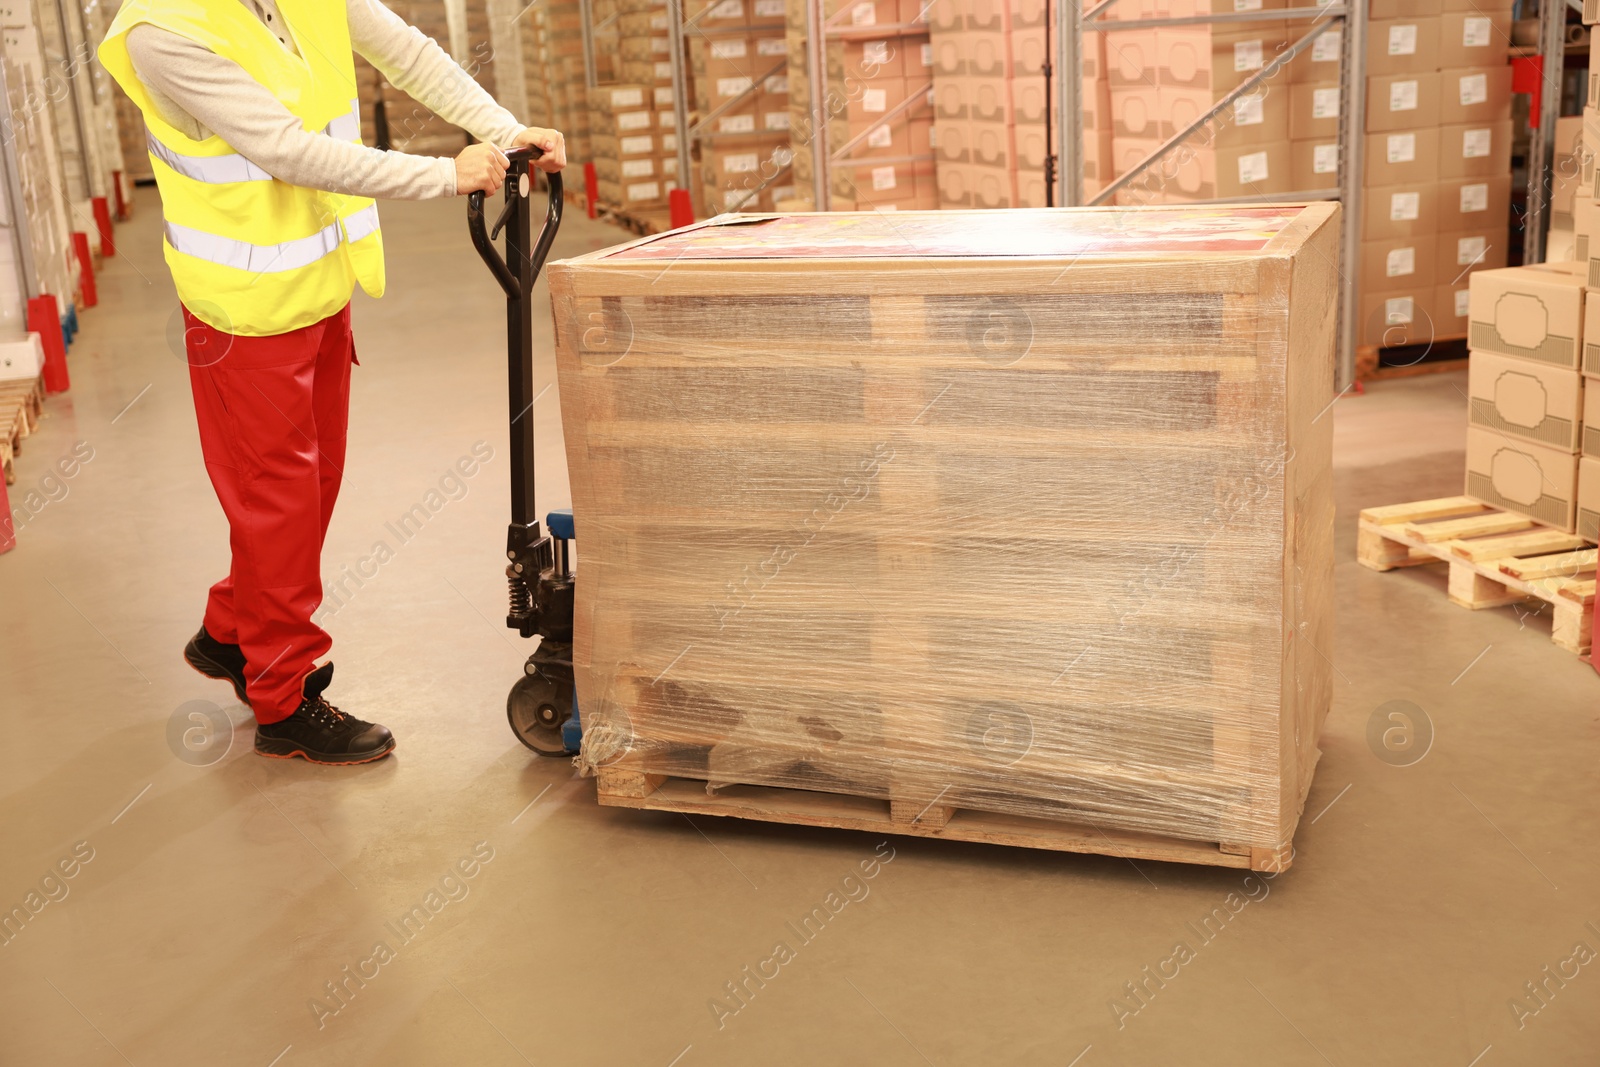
column 517, row 188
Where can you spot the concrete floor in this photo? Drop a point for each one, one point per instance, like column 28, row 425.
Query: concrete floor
column 213, row 899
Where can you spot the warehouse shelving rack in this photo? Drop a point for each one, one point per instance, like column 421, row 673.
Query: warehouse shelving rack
column 1351, row 19
column 1541, row 150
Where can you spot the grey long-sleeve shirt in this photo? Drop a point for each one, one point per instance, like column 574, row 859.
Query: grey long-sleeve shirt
column 199, row 93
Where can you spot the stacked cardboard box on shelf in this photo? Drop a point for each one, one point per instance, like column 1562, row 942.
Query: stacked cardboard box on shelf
column 1438, row 165
column 553, row 75
column 646, row 61
column 1162, row 80
column 411, row 126
column 739, row 59
column 1526, row 391
column 877, row 59
column 1570, row 170
column 626, row 143
column 990, row 106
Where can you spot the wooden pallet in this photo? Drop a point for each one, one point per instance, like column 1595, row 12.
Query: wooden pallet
column 1370, row 368
column 640, row 223
column 20, row 404
column 659, row 792
column 1495, row 557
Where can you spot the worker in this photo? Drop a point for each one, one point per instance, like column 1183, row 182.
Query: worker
column 267, row 193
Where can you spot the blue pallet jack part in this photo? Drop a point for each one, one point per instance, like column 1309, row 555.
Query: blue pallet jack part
column 542, row 706
column 72, row 320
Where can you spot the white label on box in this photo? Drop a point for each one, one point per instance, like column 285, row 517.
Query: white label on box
column 732, row 199
column 927, row 55
column 664, row 96
column 667, row 120
column 638, row 168
column 1402, row 148
column 1399, row 311
column 1250, row 110
column 1474, row 89
column 1247, row 5
column 1475, row 144
column 880, row 138
column 736, row 124
column 875, row 53
column 660, row 44
column 874, row 101
column 1475, row 32
column 776, row 120
column 1326, row 48
column 1252, row 168
column 658, row 21
column 664, row 70
column 864, row 15
column 638, row 146
column 1404, row 207
column 633, row 120
column 733, row 86
column 1463, row 300
column 741, row 162
column 727, row 9
column 1470, row 250
column 669, row 143
column 1246, row 56
column 1325, row 159
column 1325, row 103
column 1400, row 262
column 769, row 9
column 772, row 46
column 644, row 190
column 729, row 48
column 621, row 98
column 1403, row 40
column 1474, row 198
column 882, row 178
column 781, row 192
column 1403, row 96
column 777, row 85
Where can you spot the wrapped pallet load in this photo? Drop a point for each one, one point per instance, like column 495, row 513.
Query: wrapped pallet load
column 998, row 526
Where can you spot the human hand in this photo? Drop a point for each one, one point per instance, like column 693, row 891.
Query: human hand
column 480, row 168
column 551, row 142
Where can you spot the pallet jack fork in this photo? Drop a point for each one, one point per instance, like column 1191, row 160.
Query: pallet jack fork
column 542, row 706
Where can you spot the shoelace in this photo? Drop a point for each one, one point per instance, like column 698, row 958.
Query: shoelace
column 326, row 714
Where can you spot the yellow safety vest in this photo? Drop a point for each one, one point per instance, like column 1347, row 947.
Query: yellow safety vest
column 250, row 254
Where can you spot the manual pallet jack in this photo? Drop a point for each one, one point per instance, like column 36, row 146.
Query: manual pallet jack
column 542, row 706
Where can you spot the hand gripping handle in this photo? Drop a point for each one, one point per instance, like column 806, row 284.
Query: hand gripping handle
column 483, row 239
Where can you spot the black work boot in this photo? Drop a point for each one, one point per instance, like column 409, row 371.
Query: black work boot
column 217, row 659
column 320, row 732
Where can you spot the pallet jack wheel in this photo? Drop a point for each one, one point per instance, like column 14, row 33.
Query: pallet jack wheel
column 537, row 708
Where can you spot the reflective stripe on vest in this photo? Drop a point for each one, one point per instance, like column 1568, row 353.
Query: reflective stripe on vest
column 232, row 167
column 271, row 259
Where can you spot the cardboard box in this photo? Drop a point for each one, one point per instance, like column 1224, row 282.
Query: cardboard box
column 1530, row 479
column 1397, row 264
column 1402, row 157
column 1588, row 521
column 1131, row 60
column 1135, row 113
column 1474, row 203
column 1402, row 45
column 1526, row 400
column 1203, row 57
column 1591, row 420
column 1403, row 102
column 1314, row 165
column 1260, row 117
column 1475, row 95
column 1450, row 304
column 1474, row 39
column 1320, row 62
column 1458, row 253
column 1396, row 317
column 1591, row 341
column 1532, row 312
column 1400, row 211
column 22, row 359
column 1474, row 151
column 1402, row 9
column 1313, row 110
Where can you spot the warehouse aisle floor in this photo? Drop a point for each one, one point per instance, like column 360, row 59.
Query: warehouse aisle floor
column 219, row 901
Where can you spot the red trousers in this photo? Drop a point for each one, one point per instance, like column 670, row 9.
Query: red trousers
column 273, row 413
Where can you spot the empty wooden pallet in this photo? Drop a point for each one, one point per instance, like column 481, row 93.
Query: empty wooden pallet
column 1495, row 557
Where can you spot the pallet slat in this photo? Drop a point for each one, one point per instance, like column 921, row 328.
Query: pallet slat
column 1451, row 529
column 1561, row 564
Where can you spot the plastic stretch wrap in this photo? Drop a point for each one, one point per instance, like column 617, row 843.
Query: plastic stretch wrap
column 1024, row 512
